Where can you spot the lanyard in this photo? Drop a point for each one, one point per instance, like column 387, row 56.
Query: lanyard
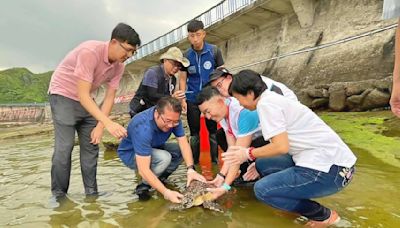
column 171, row 87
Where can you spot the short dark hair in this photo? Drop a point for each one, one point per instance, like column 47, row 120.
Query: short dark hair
column 245, row 81
column 169, row 102
column 195, row 25
column 123, row 32
column 206, row 94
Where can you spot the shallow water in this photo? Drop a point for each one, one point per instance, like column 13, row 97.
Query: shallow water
column 371, row 200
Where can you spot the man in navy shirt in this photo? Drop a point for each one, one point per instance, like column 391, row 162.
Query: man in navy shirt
column 159, row 81
column 147, row 151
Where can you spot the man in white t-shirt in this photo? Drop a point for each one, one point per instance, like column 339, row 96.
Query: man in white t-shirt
column 305, row 158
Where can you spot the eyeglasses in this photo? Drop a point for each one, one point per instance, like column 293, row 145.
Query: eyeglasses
column 175, row 64
column 170, row 122
column 128, row 50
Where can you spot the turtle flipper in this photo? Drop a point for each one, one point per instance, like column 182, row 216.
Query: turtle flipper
column 212, row 206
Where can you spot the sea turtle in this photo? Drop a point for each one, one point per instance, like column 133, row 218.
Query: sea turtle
column 196, row 195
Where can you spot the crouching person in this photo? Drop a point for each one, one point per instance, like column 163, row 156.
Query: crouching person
column 305, row 158
column 146, row 148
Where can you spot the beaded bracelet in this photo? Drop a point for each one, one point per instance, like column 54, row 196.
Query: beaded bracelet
column 251, row 155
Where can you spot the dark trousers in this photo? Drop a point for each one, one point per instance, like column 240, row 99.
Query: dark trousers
column 193, row 117
column 69, row 116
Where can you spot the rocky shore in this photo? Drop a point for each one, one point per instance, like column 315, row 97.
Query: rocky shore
column 350, row 96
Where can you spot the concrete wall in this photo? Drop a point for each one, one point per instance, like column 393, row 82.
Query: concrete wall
column 365, row 58
column 28, row 113
column 273, row 28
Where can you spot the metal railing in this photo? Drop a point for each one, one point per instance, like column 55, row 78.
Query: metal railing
column 210, row 17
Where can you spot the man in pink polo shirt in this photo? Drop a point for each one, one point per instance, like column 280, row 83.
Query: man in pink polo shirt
column 81, row 73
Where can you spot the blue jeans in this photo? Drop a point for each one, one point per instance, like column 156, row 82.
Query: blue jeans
column 288, row 187
column 164, row 160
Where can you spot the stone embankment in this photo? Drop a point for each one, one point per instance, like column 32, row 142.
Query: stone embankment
column 350, row 96
column 25, row 113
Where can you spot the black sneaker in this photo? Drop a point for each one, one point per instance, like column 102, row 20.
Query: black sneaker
column 142, row 190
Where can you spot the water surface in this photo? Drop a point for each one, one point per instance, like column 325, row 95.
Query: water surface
column 371, row 200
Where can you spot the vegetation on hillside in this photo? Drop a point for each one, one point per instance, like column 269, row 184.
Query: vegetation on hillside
column 19, row 85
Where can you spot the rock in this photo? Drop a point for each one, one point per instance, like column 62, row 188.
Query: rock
column 304, row 98
column 353, row 102
column 319, row 103
column 384, row 84
column 375, row 99
column 356, row 88
column 315, row 93
column 337, row 97
column 111, row 144
column 325, row 93
column 324, row 86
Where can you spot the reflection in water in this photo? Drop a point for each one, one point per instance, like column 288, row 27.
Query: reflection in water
column 370, row 201
column 110, row 155
column 67, row 213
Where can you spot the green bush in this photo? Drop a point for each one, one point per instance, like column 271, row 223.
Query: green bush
column 19, row 85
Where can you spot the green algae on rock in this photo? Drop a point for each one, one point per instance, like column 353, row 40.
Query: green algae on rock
column 375, row 132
